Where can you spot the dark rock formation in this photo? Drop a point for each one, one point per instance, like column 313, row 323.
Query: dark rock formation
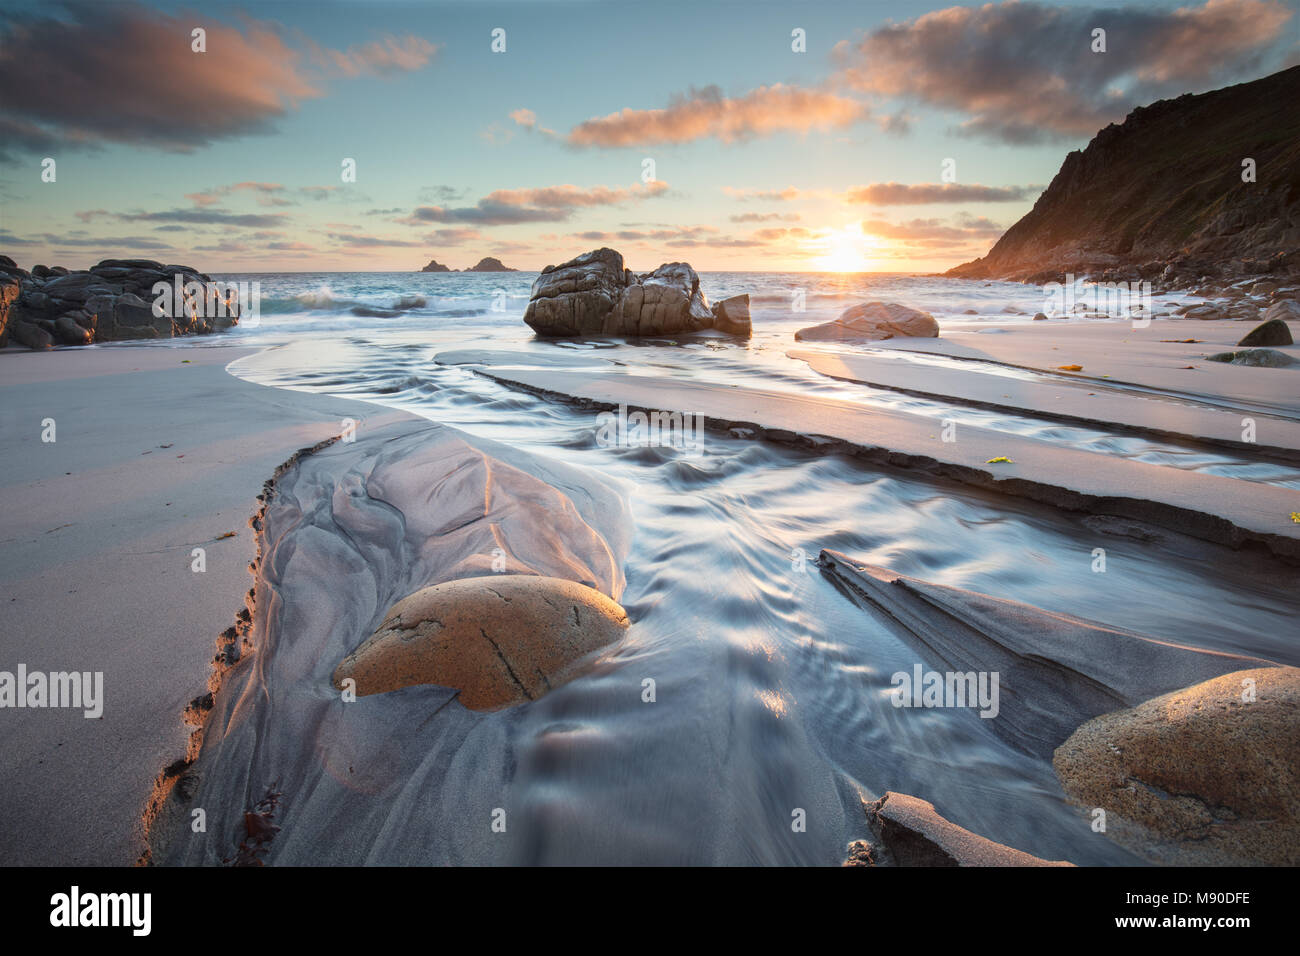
column 1161, row 196
column 595, row 294
column 10, row 289
column 873, row 321
column 1272, row 332
column 1255, row 358
column 111, row 301
column 435, row 266
column 910, row 832
column 489, row 264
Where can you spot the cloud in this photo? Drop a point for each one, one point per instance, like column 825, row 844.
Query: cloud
column 544, row 204
column 441, row 194
column 454, row 237
column 528, row 120
column 775, row 235
column 768, row 195
column 902, row 194
column 267, row 194
column 354, row 241
column 1025, row 72
column 765, row 217
column 318, row 192
column 208, row 216
column 933, row 232
column 706, row 112
column 380, row 58
column 789, row 194
column 122, row 73
column 88, row 242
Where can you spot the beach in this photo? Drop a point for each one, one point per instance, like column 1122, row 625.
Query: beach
column 157, row 451
column 475, row 449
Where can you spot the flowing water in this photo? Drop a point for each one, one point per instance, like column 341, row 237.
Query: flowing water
column 772, row 688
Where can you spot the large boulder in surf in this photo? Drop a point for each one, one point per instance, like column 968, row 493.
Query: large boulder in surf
column 1207, row 775
column 910, row 832
column 575, row 297
column 665, row 301
column 873, row 321
column 732, row 316
column 595, row 294
column 501, row 639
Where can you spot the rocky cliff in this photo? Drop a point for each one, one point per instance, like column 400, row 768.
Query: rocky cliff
column 1165, row 195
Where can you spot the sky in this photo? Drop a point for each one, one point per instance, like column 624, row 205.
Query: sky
column 749, row 136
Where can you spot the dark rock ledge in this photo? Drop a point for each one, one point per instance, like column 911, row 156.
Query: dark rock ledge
column 110, row 302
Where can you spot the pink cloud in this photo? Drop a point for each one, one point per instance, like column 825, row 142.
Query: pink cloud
column 704, row 113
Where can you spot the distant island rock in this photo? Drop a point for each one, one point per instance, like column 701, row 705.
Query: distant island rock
column 489, row 264
column 595, row 294
column 486, row 264
column 1167, row 196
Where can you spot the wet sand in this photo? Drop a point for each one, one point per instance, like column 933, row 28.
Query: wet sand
column 1210, row 507
column 152, row 459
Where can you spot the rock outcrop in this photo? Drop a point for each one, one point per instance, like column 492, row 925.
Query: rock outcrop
column 1254, row 358
column 500, row 640
column 1165, row 195
column 873, row 321
column 1207, row 775
column 595, row 294
column 1057, row 671
column 10, row 289
column 732, row 316
column 910, row 832
column 489, row 264
column 111, row 301
column 435, row 266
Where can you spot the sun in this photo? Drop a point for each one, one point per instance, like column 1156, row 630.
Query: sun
column 845, row 250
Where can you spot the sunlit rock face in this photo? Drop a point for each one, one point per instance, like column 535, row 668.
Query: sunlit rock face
column 873, row 321
column 595, row 294
column 1207, row 775
column 499, row 640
